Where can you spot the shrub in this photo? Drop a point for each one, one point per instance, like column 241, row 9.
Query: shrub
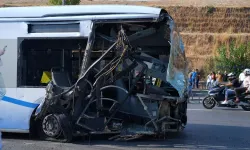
column 210, row 66
column 233, row 59
column 67, row 2
column 210, row 9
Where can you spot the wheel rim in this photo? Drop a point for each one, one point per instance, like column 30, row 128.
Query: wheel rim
column 209, row 102
column 51, row 126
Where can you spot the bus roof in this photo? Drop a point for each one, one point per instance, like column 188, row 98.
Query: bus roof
column 74, row 10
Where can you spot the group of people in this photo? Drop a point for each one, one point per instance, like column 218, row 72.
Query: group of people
column 236, row 85
column 219, row 77
column 194, row 78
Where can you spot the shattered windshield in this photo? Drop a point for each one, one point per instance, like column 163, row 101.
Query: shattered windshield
column 177, row 68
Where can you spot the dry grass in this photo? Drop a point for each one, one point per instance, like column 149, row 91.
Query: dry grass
column 201, row 46
column 199, row 19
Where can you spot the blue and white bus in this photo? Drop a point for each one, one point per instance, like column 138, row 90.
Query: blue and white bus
column 35, row 39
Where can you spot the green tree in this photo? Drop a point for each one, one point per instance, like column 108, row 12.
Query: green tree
column 234, row 59
column 67, row 2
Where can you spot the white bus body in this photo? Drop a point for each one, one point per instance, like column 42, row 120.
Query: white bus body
column 19, row 102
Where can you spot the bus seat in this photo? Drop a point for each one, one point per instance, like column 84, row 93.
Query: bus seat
column 61, row 78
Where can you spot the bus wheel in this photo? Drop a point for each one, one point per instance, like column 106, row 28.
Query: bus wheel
column 56, row 127
column 51, row 126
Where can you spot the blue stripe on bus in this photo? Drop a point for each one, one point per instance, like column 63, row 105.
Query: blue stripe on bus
column 19, row 102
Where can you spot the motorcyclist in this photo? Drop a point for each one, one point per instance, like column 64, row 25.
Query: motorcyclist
column 234, row 82
column 245, row 85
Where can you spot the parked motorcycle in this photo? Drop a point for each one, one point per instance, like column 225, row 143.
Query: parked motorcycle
column 217, row 95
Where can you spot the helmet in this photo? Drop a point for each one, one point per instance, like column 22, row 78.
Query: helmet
column 247, row 72
column 231, row 76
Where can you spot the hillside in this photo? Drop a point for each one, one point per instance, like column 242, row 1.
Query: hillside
column 204, row 24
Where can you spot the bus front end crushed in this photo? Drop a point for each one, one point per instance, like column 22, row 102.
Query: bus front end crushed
column 135, row 87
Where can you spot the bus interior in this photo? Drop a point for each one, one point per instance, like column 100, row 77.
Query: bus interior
column 39, row 55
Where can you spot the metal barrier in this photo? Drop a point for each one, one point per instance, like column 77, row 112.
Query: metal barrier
column 198, row 94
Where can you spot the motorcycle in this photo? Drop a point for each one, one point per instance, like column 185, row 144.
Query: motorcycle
column 217, row 95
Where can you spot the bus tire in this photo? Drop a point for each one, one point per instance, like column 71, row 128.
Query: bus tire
column 55, row 127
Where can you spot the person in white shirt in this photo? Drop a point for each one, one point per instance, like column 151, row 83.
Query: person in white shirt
column 2, row 84
column 209, row 79
column 242, row 76
column 245, row 85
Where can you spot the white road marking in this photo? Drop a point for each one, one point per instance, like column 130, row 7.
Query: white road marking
column 112, row 147
column 216, row 110
column 29, row 143
column 200, row 109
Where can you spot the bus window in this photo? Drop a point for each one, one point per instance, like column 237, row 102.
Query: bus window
column 38, row 56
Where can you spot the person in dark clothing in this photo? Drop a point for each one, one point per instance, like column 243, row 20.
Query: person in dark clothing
column 245, row 86
column 225, row 77
column 197, row 78
column 234, row 83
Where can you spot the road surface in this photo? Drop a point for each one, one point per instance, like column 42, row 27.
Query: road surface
column 217, row 129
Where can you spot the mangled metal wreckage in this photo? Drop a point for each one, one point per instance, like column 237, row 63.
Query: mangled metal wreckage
column 140, row 90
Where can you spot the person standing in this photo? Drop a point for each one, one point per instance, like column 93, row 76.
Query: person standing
column 209, row 79
column 190, row 85
column 197, row 78
column 190, row 75
column 194, row 75
column 219, row 77
column 2, row 84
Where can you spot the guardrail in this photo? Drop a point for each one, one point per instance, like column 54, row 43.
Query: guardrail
column 197, row 95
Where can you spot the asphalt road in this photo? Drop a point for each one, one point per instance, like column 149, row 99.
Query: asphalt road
column 217, row 129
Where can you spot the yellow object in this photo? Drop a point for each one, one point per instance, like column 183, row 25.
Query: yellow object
column 158, row 82
column 46, row 77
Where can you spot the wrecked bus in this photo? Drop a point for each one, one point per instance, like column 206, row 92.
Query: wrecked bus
column 98, row 69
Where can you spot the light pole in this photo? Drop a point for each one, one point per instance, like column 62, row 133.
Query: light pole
column 63, row 2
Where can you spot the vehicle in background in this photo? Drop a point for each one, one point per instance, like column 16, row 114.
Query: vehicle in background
column 217, row 95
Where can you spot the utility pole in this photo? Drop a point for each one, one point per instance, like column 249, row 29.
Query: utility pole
column 63, row 2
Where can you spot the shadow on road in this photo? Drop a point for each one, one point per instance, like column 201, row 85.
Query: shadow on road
column 195, row 136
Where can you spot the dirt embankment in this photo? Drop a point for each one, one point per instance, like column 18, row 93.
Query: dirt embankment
column 204, row 24
column 204, row 29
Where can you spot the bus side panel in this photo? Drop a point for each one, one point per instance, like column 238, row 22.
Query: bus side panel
column 16, row 104
column 16, row 111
